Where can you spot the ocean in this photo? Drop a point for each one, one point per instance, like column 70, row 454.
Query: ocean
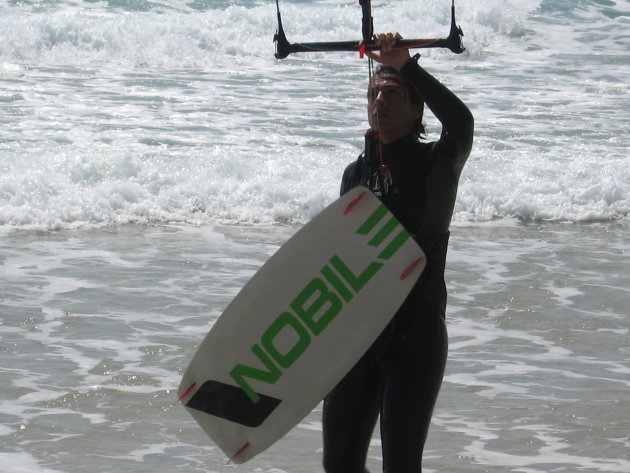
column 154, row 154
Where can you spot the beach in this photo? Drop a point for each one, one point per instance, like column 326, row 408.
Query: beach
column 103, row 322
column 154, row 155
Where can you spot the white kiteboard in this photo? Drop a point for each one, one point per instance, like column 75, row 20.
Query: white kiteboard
column 299, row 325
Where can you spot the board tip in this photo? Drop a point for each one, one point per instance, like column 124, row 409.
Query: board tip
column 185, row 393
column 405, row 274
column 240, row 451
column 353, row 202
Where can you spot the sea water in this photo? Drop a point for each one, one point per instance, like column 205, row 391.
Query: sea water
column 154, row 154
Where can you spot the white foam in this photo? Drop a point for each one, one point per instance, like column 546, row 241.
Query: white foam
column 22, row 462
column 196, row 122
column 4, row 430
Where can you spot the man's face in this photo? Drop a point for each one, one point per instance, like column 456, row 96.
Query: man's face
column 390, row 110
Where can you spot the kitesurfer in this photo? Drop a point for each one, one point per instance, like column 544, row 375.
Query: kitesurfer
column 400, row 376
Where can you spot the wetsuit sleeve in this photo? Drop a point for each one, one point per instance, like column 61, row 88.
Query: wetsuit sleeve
column 456, row 139
column 353, row 176
column 346, row 180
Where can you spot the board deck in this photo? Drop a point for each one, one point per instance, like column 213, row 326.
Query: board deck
column 300, row 323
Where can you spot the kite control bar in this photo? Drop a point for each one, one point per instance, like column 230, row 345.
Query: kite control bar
column 283, row 48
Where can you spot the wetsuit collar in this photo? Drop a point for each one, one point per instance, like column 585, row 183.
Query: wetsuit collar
column 400, row 145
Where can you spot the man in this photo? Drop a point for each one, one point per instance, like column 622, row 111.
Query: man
column 399, row 377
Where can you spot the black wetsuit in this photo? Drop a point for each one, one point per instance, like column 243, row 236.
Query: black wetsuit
column 400, row 376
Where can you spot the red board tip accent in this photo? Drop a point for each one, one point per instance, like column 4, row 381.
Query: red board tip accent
column 361, row 51
column 353, row 202
column 405, row 274
column 238, row 453
column 185, row 393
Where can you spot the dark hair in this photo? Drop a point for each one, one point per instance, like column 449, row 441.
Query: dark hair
column 414, row 96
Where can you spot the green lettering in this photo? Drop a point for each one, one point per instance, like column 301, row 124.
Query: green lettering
column 384, row 232
column 340, row 287
column 372, row 220
column 239, row 372
column 356, row 282
column 307, row 311
column 285, row 320
column 391, row 249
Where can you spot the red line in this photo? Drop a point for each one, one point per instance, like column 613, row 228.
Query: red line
column 237, row 454
column 353, row 202
column 410, row 268
column 185, row 393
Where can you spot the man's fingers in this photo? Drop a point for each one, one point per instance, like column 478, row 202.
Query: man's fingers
column 386, row 41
